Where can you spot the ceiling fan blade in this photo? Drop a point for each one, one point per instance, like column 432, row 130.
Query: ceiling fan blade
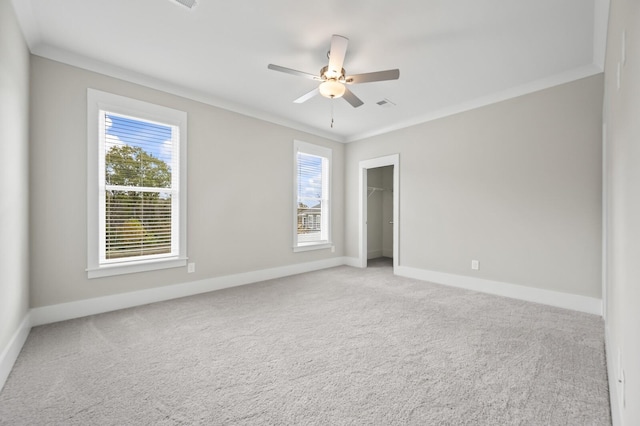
column 307, row 96
column 351, row 98
column 373, row 76
column 294, row 72
column 337, row 52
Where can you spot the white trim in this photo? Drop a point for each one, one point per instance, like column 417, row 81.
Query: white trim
column 363, row 186
column 134, row 267
column 10, row 353
column 309, row 247
column 374, row 254
column 81, row 308
column 575, row 302
column 83, row 62
column 605, row 216
column 28, row 24
column 612, row 374
column 352, row 261
column 489, row 99
column 65, row 311
column 97, row 101
column 363, row 166
column 73, row 59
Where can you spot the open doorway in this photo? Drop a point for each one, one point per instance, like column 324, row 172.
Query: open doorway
column 379, row 218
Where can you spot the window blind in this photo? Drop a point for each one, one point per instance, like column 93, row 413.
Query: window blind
column 312, row 200
column 139, row 194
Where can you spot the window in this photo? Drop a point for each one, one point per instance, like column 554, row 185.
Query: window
column 136, row 186
column 312, row 176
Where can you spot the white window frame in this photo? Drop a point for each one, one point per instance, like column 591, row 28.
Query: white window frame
column 319, row 151
column 102, row 101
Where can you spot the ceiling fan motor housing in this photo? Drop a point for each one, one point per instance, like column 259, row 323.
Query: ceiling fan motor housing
column 325, row 74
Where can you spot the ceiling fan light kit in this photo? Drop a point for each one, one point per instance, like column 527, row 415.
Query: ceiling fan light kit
column 332, row 89
column 333, row 78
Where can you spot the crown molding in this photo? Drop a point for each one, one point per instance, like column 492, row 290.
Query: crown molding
column 492, row 98
column 90, row 64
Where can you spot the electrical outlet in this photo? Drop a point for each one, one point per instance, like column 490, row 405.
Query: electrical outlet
column 333, row 249
column 191, row 268
column 475, row 265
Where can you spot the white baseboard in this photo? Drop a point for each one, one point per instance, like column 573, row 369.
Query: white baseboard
column 80, row 308
column 65, row 311
column 10, row 353
column 574, row 302
column 387, row 252
column 352, row 261
column 98, row 305
column 374, row 254
column 612, row 369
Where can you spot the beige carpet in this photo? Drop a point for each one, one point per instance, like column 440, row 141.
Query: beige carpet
column 342, row 346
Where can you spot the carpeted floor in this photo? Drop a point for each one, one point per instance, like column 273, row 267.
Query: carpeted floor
column 342, row 346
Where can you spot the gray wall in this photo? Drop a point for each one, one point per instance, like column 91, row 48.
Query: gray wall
column 239, row 196
column 622, row 118
column 516, row 185
column 14, row 157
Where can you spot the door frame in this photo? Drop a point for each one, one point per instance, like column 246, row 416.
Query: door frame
column 363, row 166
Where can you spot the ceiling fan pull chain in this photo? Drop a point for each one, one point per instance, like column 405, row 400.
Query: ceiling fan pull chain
column 332, row 113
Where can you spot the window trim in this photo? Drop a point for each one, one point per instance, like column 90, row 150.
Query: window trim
column 96, row 101
column 320, row 151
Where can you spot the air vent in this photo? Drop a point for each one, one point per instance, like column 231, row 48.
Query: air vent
column 189, row 4
column 386, row 103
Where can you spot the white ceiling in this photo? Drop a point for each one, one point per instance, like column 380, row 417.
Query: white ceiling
column 452, row 54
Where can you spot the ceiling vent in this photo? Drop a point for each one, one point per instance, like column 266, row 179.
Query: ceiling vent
column 189, row 4
column 386, row 103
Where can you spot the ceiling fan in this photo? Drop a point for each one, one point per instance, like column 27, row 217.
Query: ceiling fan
column 332, row 77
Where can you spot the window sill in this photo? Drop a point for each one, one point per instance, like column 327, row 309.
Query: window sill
column 309, row 247
column 133, row 267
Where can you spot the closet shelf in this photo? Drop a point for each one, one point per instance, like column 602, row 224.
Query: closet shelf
column 375, row 188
